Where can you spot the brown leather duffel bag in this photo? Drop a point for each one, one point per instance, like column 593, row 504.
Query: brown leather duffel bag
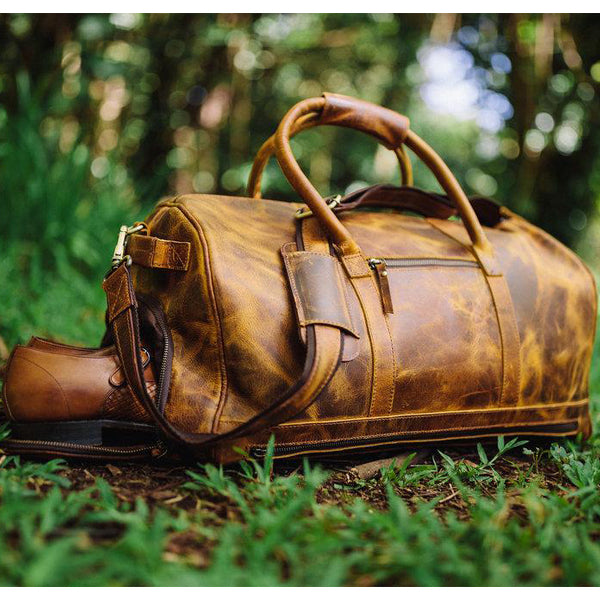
column 338, row 325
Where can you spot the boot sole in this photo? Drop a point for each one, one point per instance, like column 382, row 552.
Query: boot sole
column 104, row 432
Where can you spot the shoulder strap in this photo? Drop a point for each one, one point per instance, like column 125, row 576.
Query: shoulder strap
column 324, row 349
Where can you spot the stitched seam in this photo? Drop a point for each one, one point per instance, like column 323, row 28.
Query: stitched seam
column 303, row 321
column 421, row 440
column 295, row 294
column 343, row 326
column 551, row 407
column 346, row 307
column 211, row 281
column 392, row 387
column 498, row 320
column 176, row 256
column 442, row 430
column 346, row 298
column 451, row 258
column 547, row 407
column 385, row 436
column 305, row 252
column 502, row 337
column 350, row 356
column 375, row 361
column 513, row 323
column 115, row 305
column 513, row 319
column 349, row 262
column 501, row 317
column 371, row 341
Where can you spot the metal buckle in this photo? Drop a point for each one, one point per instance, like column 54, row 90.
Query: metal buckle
column 332, row 202
column 119, row 254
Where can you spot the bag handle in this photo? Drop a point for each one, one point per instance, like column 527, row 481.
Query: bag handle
column 392, row 130
column 308, row 122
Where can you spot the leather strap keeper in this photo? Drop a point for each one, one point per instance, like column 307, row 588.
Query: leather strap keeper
column 119, row 292
column 317, row 289
column 153, row 252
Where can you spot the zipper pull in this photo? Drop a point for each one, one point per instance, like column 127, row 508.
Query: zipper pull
column 380, row 267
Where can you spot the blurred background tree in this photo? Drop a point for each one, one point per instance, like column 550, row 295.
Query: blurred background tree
column 101, row 115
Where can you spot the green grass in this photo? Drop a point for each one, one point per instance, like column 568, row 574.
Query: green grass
column 514, row 519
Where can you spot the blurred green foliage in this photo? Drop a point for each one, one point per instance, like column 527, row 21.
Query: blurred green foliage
column 101, row 115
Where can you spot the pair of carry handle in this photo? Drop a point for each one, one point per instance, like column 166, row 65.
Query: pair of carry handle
column 391, row 129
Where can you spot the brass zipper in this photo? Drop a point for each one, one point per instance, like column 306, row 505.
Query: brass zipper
column 162, row 376
column 396, row 263
column 283, row 450
column 380, row 267
column 154, row 450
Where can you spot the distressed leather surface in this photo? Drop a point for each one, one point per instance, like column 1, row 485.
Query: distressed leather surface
column 238, row 343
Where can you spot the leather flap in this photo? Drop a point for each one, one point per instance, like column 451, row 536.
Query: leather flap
column 317, row 288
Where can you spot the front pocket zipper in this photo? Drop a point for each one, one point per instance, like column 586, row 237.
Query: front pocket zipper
column 381, row 265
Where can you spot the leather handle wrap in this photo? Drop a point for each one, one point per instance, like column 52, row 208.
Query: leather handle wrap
column 307, row 122
column 376, row 123
column 388, row 127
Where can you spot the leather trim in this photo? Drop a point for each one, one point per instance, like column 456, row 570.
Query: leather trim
column 309, row 234
column 509, row 335
column 119, row 292
column 317, row 289
column 416, row 426
column 507, row 322
column 156, row 253
column 383, row 355
column 383, row 375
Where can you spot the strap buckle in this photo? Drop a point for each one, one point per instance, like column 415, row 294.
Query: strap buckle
column 332, row 202
column 119, row 256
